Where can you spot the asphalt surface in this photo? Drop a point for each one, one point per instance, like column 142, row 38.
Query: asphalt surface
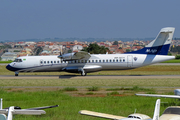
column 88, row 76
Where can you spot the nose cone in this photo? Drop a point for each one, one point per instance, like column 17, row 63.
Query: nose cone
column 9, row 67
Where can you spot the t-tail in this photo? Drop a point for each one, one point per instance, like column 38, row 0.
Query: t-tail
column 160, row 45
column 157, row 110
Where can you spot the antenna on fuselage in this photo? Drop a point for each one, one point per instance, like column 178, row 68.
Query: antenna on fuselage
column 1, row 107
column 135, row 111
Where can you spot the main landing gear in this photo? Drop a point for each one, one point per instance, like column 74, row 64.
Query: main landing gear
column 16, row 73
column 83, row 73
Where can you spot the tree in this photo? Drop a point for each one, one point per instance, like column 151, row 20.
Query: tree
column 115, row 43
column 96, row 49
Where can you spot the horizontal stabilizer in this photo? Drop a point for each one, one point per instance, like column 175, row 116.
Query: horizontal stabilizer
column 155, row 95
column 102, row 115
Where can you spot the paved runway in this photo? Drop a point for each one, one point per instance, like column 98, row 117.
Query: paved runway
column 88, row 76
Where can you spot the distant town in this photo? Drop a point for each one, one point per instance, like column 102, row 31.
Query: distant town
column 12, row 50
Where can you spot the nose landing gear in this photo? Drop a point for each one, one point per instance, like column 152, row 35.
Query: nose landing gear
column 16, row 73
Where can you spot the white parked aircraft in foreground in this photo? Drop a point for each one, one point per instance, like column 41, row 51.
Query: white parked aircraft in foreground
column 171, row 113
column 135, row 116
column 176, row 96
column 83, row 62
column 7, row 113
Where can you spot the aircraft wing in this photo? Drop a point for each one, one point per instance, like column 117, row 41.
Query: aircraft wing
column 82, row 55
column 25, row 112
column 156, row 95
column 102, row 115
column 40, row 108
column 75, row 56
column 29, row 112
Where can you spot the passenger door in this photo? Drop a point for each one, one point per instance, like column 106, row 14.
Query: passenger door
column 129, row 61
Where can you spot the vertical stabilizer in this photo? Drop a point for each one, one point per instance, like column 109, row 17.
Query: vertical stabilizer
column 157, row 110
column 160, row 45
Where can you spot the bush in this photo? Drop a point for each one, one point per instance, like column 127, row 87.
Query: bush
column 177, row 57
column 90, row 93
column 70, row 89
column 93, row 88
column 113, row 93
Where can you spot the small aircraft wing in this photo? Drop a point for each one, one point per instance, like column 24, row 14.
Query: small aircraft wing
column 40, row 108
column 23, row 111
column 29, row 112
column 102, row 115
column 156, row 95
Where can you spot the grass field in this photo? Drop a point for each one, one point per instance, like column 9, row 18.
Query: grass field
column 113, row 96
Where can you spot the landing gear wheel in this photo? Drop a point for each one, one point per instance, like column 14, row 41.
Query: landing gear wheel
column 16, row 73
column 83, row 73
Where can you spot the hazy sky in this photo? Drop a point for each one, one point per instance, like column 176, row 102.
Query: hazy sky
column 26, row 19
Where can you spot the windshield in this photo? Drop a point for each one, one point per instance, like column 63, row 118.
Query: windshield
column 172, row 111
column 17, row 60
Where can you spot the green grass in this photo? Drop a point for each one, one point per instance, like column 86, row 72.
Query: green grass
column 5, row 61
column 172, row 61
column 134, row 88
column 69, row 105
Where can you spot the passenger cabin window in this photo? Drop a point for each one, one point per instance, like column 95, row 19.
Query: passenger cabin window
column 113, row 60
column 48, row 62
column 57, row 61
column 117, row 60
column 103, row 60
column 99, row 60
column 51, row 61
column 92, row 61
column 106, row 60
column 109, row 60
column 96, row 60
column 54, row 61
column 44, row 62
column 89, row 61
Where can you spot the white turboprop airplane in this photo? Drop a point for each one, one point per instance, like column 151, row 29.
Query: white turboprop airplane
column 135, row 116
column 176, row 96
column 83, row 62
column 17, row 110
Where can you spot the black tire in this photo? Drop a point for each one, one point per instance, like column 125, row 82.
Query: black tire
column 16, row 74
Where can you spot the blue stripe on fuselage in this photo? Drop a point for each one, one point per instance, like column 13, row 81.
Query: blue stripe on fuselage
column 158, row 50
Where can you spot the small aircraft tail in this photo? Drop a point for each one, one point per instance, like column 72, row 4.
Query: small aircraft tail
column 160, row 45
column 156, row 110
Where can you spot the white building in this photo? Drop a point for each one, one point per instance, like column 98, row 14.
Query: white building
column 8, row 56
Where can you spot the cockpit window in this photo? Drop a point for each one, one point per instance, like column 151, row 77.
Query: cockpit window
column 17, row 60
